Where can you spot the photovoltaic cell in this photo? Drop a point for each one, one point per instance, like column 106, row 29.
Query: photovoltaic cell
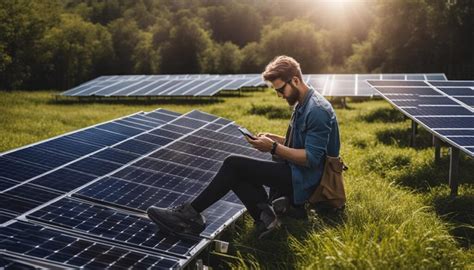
column 6, row 183
column 70, row 251
column 98, row 137
column 189, row 123
column 94, row 166
column 120, row 129
column 114, row 191
column 16, row 205
column 160, row 180
column 40, row 157
column 68, row 147
column 19, row 171
column 419, row 111
column 63, row 180
column 137, row 147
column 6, row 263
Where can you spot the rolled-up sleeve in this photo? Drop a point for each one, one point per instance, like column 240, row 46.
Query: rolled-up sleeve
column 318, row 129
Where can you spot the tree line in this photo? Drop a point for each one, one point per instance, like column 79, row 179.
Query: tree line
column 57, row 44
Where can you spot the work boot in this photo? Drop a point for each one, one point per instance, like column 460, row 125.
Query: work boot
column 268, row 220
column 283, row 207
column 179, row 219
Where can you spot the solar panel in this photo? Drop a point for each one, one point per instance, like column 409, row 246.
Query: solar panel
column 98, row 182
column 437, row 105
column 64, row 250
column 115, row 227
column 206, row 85
column 443, row 107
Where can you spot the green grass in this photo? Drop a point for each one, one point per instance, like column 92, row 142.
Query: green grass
column 398, row 216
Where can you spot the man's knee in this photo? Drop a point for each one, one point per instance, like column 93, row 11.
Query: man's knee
column 231, row 161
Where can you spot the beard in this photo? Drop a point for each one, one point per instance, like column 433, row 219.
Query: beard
column 293, row 97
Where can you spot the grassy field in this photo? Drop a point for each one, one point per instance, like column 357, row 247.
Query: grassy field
column 398, row 216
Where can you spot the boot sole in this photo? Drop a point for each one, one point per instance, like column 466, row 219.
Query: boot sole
column 274, row 225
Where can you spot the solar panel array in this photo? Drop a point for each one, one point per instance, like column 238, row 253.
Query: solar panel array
column 445, row 108
column 203, row 85
column 79, row 200
column 355, row 85
column 209, row 85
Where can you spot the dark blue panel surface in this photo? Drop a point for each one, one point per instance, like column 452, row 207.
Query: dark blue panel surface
column 161, row 116
column 408, row 90
column 64, row 180
column 463, row 141
column 120, row 129
column 397, row 83
column 130, row 195
column 201, row 116
column 457, row 91
column 415, row 101
column 6, row 263
column 466, row 100
column 93, row 166
column 198, row 151
column 98, row 137
column 137, row 147
column 6, row 183
column 116, row 156
column 153, row 139
column 19, row 171
column 177, row 129
column 161, row 180
column 189, row 123
column 175, row 169
column 187, row 159
column 436, row 110
column 456, row 132
column 68, row 147
column 453, row 83
column 447, row 122
column 41, row 157
column 166, row 133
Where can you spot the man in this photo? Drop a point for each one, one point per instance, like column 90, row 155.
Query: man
column 313, row 133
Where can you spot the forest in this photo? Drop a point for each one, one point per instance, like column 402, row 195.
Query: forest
column 57, row 44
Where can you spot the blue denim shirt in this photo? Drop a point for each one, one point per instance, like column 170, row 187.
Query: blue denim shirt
column 314, row 128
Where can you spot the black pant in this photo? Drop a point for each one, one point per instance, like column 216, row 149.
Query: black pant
column 246, row 177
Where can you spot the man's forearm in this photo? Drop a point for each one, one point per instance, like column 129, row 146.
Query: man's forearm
column 297, row 156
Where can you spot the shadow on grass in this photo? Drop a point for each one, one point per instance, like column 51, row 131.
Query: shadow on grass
column 385, row 115
column 401, row 137
column 136, row 101
column 458, row 212
column 432, row 180
column 274, row 251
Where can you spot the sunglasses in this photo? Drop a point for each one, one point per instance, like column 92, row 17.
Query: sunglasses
column 281, row 90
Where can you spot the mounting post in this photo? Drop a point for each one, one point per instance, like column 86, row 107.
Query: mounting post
column 454, row 171
column 437, row 146
column 414, row 131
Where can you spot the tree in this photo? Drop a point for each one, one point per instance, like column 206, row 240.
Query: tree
column 125, row 38
column 187, row 43
column 22, row 23
column 296, row 38
column 72, row 51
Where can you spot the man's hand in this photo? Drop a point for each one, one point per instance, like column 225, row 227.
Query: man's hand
column 261, row 143
column 279, row 139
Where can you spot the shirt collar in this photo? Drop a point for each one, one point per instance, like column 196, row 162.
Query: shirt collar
column 307, row 97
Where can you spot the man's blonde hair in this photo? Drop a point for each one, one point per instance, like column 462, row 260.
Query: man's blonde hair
column 282, row 67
